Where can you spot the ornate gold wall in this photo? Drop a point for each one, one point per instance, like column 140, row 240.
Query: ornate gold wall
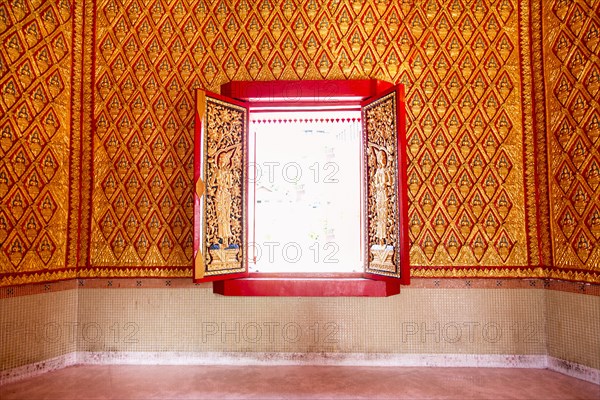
column 476, row 123
column 36, row 66
column 572, row 62
column 461, row 65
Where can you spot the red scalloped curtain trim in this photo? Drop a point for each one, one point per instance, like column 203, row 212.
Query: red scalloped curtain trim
column 305, row 120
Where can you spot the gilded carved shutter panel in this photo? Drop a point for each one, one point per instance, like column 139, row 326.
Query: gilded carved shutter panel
column 386, row 242
column 220, row 173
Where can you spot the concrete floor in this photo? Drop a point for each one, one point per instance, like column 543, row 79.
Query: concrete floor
column 298, row 382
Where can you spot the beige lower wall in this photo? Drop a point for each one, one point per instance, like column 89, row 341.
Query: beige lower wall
column 573, row 325
column 418, row 321
column 37, row 327
column 453, row 321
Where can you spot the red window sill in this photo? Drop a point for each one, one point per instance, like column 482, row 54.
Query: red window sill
column 296, row 285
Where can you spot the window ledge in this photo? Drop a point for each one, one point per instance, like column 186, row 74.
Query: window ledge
column 307, row 287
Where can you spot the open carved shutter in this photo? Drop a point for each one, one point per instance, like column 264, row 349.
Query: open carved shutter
column 386, row 242
column 220, row 199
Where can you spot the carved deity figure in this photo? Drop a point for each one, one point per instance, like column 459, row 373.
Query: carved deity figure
column 381, row 179
column 223, row 198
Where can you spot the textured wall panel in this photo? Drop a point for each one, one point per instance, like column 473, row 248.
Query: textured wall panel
column 421, row 321
column 459, row 60
column 572, row 56
column 97, row 173
column 572, row 326
column 36, row 65
column 38, row 327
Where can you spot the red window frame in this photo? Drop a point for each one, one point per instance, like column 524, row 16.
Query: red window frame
column 340, row 94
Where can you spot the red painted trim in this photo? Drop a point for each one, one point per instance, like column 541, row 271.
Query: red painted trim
column 198, row 129
column 307, row 287
column 227, row 99
column 258, row 107
column 311, row 94
column 221, row 278
column 303, row 93
column 403, row 187
column 306, row 120
column 306, row 275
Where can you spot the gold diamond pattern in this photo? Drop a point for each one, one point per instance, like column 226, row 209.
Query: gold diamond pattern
column 573, row 102
column 456, row 59
column 463, row 63
column 35, row 74
column 461, row 82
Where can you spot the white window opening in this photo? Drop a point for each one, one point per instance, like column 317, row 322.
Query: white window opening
column 305, row 192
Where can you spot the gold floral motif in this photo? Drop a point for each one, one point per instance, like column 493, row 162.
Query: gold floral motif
column 39, row 277
column 135, row 273
column 523, row 273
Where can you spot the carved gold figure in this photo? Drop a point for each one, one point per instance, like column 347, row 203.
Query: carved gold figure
column 224, row 182
column 381, row 181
